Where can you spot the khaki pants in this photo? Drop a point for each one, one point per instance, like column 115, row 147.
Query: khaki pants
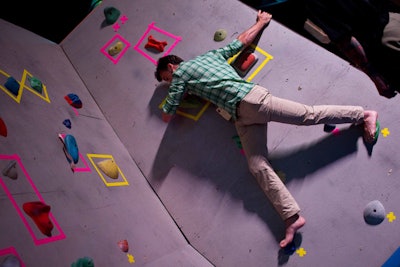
column 254, row 112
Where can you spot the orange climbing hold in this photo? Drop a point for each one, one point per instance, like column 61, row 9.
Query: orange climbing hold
column 155, row 44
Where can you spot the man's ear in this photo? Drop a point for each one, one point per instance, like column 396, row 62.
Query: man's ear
column 170, row 67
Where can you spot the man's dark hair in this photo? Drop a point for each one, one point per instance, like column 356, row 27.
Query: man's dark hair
column 162, row 64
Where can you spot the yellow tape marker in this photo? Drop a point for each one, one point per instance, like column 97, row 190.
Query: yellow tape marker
column 118, row 182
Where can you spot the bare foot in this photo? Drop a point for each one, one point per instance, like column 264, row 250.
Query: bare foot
column 370, row 118
column 293, row 224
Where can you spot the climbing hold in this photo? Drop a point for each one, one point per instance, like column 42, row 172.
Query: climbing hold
column 115, row 49
column 290, row 248
column 39, row 212
column 10, row 170
column 67, row 123
column 244, row 62
column 72, row 148
column 94, row 4
column 329, row 127
column 155, row 44
column 336, row 131
column 112, row 14
column 3, row 128
column 12, row 85
column 108, row 167
column 10, row 261
column 220, row 35
column 123, row 245
column 374, row 213
column 83, row 262
column 36, row 84
column 237, row 140
column 73, row 100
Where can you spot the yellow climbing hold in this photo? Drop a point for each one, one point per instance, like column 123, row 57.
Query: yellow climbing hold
column 115, row 49
column 109, row 167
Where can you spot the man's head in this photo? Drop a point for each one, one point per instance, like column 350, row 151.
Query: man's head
column 166, row 66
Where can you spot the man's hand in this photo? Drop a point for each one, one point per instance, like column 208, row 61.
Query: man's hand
column 263, row 17
column 248, row 36
column 166, row 117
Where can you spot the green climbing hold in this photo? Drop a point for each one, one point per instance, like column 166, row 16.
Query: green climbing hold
column 83, row 262
column 220, row 35
column 36, row 84
column 112, row 14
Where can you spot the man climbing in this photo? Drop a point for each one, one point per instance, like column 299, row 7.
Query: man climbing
column 251, row 107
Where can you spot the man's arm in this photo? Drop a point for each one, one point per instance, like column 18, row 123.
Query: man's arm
column 176, row 93
column 248, row 36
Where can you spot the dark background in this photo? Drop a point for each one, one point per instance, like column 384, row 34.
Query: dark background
column 53, row 20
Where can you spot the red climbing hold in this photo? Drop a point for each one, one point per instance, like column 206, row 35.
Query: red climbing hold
column 3, row 128
column 244, row 62
column 155, row 44
column 39, row 212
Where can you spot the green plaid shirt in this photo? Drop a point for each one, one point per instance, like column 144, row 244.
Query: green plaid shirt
column 210, row 77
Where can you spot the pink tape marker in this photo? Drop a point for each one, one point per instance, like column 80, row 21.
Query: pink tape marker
column 150, row 28
column 36, row 239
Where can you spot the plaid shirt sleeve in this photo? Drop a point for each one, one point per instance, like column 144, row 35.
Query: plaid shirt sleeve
column 231, row 49
column 175, row 96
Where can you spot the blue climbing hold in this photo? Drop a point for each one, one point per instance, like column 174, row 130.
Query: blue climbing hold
column 12, row 85
column 67, row 123
column 71, row 147
column 73, row 100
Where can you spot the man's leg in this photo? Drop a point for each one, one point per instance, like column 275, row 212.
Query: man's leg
column 253, row 139
column 286, row 111
column 255, row 111
column 260, row 107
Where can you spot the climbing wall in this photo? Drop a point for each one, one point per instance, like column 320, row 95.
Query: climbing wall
column 180, row 194
column 74, row 202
